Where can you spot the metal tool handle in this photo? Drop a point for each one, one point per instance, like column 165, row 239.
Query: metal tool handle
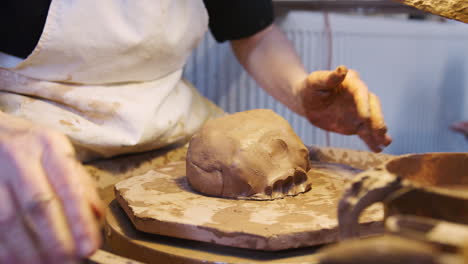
column 366, row 188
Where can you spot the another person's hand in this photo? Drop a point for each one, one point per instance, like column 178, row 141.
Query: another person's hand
column 48, row 203
column 460, row 127
column 339, row 101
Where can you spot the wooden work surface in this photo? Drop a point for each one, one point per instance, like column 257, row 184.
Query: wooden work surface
column 162, row 202
column 125, row 240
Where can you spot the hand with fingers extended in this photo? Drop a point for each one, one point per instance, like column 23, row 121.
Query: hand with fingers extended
column 339, row 101
column 49, row 207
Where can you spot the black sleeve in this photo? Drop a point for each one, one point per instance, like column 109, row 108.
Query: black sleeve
column 236, row 19
column 21, row 25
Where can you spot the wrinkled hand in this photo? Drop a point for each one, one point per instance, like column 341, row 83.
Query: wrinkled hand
column 48, row 203
column 339, row 101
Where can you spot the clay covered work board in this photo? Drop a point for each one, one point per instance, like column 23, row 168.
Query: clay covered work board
column 123, row 239
column 161, row 202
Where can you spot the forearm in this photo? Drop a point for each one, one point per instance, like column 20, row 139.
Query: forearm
column 271, row 60
column 337, row 101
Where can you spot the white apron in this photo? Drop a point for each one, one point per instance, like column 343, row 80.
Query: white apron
column 107, row 73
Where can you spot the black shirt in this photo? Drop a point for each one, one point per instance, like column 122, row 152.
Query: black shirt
column 22, row 21
column 236, row 19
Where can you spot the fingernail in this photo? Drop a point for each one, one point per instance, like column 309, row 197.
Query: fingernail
column 86, row 247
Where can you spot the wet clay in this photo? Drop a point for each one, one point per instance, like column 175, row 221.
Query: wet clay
column 248, row 155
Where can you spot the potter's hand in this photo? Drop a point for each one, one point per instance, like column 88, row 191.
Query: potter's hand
column 48, row 202
column 339, row 101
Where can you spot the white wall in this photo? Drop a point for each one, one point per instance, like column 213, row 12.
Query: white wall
column 418, row 69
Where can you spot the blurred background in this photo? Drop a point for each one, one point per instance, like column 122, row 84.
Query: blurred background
column 415, row 62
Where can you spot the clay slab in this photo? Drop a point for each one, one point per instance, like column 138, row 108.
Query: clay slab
column 122, row 238
column 161, row 202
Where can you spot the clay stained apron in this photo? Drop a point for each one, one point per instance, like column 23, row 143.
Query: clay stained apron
column 108, row 74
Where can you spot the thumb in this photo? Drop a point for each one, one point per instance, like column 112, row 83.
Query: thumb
column 336, row 77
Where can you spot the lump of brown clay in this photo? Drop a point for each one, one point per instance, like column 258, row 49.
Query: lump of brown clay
column 248, row 155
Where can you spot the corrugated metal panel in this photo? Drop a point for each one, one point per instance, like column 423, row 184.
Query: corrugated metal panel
column 418, row 69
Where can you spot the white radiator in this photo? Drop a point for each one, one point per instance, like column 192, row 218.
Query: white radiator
column 418, row 69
